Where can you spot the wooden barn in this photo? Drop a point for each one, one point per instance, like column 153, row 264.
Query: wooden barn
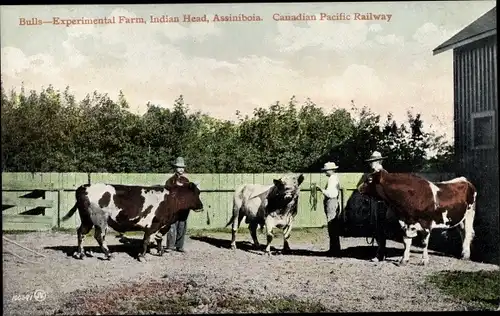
column 476, row 124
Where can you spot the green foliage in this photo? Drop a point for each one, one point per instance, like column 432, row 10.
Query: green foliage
column 50, row 131
column 480, row 288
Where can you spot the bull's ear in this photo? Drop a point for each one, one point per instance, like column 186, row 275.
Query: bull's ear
column 300, row 179
column 197, row 183
column 277, row 182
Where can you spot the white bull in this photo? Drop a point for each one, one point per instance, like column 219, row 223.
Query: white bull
column 266, row 205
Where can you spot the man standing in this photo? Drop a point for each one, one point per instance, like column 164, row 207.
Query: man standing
column 380, row 209
column 175, row 236
column 331, row 206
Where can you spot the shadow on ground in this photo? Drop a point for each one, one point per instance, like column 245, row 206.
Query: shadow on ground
column 356, row 252
column 130, row 246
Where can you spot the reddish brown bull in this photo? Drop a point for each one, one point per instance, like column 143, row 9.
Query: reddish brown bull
column 151, row 209
column 421, row 205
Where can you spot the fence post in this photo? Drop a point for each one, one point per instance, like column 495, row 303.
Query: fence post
column 59, row 198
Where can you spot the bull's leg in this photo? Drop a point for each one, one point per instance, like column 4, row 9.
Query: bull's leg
column 159, row 238
column 100, row 236
column 141, row 256
column 286, row 235
column 426, row 235
column 253, row 232
column 81, row 232
column 269, row 234
column 406, row 255
column 234, row 228
column 468, row 231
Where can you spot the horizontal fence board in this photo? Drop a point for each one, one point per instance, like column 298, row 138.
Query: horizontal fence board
column 36, row 226
column 27, row 219
column 26, row 202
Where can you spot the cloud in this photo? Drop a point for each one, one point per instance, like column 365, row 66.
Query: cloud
column 391, row 39
column 339, row 36
column 430, row 36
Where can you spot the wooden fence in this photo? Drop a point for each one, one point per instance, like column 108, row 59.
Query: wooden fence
column 38, row 201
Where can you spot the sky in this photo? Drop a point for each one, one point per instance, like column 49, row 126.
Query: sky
column 221, row 67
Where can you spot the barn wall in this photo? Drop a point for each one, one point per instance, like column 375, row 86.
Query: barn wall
column 475, row 89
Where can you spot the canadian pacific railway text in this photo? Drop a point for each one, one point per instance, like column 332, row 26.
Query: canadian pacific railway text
column 369, row 16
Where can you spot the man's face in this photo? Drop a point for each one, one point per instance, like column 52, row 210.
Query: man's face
column 375, row 165
column 329, row 172
column 179, row 170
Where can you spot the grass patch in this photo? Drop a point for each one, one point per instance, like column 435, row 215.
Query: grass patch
column 278, row 305
column 480, row 289
column 178, row 297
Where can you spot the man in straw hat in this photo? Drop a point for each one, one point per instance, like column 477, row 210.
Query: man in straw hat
column 375, row 161
column 380, row 208
column 175, row 236
column 331, row 206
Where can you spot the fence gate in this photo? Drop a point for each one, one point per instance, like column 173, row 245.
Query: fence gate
column 26, row 206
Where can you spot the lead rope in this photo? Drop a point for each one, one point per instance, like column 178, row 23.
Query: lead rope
column 313, row 198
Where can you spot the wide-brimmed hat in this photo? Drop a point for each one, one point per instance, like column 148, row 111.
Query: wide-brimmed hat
column 179, row 162
column 329, row 166
column 376, row 155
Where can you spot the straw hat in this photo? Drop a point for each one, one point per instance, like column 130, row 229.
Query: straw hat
column 329, row 166
column 376, row 155
column 179, row 162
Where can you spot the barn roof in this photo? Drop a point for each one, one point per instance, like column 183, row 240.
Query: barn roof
column 484, row 26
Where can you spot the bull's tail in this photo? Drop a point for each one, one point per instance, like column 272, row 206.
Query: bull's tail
column 71, row 212
column 231, row 220
column 78, row 194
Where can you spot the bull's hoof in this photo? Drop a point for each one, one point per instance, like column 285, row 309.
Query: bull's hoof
column 402, row 263
column 89, row 253
column 267, row 253
column 465, row 256
column 141, row 258
column 78, row 255
column 233, row 247
column 375, row 259
column 256, row 246
column 424, row 262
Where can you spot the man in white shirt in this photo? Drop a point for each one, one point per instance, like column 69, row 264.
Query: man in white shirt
column 331, row 205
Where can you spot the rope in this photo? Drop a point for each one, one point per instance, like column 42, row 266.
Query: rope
column 15, row 243
column 313, row 198
column 19, row 257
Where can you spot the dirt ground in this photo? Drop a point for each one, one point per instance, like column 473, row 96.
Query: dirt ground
column 347, row 284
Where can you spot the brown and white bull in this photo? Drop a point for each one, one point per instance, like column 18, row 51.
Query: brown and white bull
column 421, row 205
column 151, row 209
column 266, row 205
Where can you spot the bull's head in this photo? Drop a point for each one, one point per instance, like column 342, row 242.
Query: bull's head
column 288, row 186
column 369, row 185
column 192, row 197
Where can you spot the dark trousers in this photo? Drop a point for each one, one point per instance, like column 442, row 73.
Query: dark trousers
column 175, row 236
column 332, row 217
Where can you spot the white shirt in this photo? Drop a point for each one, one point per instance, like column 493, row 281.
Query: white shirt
column 332, row 188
